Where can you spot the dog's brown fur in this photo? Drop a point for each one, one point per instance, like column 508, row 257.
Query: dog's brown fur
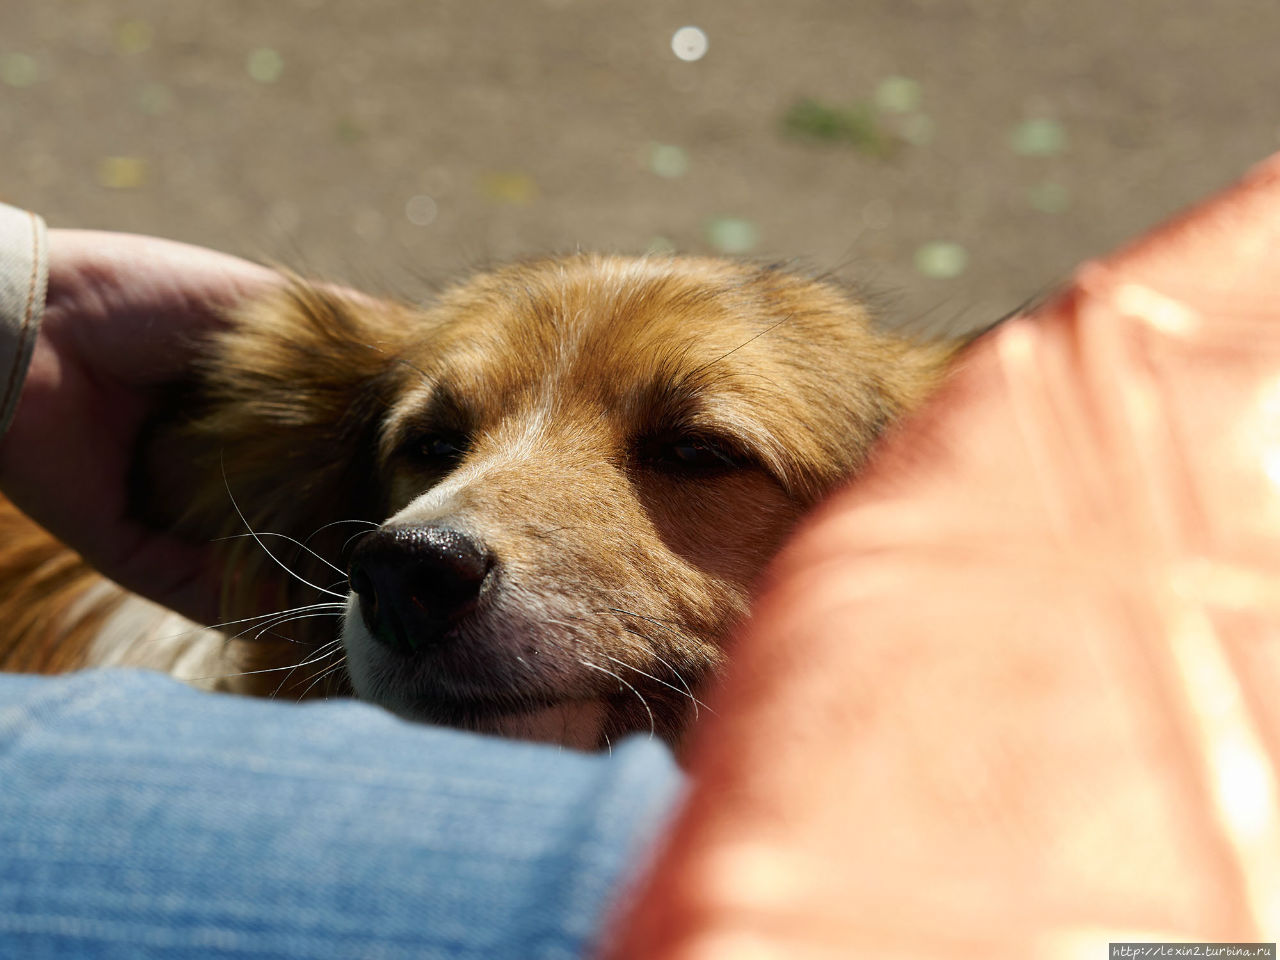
column 566, row 383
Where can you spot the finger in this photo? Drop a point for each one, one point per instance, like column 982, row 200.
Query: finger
column 173, row 573
column 135, row 306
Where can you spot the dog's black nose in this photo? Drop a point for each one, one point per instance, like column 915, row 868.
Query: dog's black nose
column 416, row 582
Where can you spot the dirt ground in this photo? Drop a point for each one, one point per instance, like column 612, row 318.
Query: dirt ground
column 957, row 155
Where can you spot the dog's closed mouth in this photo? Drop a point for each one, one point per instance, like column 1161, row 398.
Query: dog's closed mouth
column 435, row 697
column 441, row 704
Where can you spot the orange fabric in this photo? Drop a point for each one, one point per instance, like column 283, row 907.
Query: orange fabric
column 1015, row 692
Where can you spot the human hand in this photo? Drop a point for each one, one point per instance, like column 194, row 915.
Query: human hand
column 122, row 319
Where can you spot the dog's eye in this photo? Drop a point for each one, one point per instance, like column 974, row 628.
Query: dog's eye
column 690, row 453
column 441, row 449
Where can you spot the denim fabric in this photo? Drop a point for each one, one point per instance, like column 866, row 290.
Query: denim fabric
column 140, row 818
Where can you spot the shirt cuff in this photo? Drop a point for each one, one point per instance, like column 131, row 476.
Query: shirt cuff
column 24, row 275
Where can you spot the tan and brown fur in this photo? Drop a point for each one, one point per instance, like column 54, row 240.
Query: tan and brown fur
column 619, row 573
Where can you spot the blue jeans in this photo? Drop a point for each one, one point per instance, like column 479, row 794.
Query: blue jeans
column 140, row 818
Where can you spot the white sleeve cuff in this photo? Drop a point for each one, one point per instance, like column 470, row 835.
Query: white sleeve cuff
column 24, row 275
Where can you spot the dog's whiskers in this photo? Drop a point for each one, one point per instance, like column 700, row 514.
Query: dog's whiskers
column 357, row 536
column 670, row 627
column 653, row 729
column 324, row 651
column 334, row 523
column 698, row 705
column 285, row 536
column 257, row 539
column 684, row 683
column 686, row 692
column 324, row 674
column 304, row 608
column 252, row 621
column 290, row 619
column 318, row 610
column 249, row 673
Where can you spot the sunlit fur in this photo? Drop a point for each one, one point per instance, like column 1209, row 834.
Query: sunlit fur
column 618, row 577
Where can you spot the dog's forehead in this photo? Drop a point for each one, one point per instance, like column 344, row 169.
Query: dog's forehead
column 589, row 305
column 605, row 323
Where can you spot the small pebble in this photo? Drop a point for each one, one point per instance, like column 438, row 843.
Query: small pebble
column 133, row 36
column 668, row 161
column 122, row 173
column 421, row 210
column 1040, row 137
column 689, row 43
column 941, row 259
column 265, row 65
column 513, row 187
column 732, row 235
column 18, row 69
column 897, row 95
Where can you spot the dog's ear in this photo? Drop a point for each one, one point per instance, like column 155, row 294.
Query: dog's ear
column 276, row 436
column 848, row 380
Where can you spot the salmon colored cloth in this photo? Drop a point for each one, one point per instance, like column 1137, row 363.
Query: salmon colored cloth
column 1016, row 693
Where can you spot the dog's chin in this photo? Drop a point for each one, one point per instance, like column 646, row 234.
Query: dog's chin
column 538, row 716
column 573, row 723
column 577, row 724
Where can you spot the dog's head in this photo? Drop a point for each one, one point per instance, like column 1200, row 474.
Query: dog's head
column 557, row 485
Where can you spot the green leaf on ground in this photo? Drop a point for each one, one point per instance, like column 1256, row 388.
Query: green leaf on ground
column 1040, row 137
column 941, row 259
column 856, row 126
column 732, row 235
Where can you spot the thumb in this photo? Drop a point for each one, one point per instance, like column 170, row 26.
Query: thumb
column 166, row 570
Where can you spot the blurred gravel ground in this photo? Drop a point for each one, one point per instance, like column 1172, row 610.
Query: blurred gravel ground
column 956, row 156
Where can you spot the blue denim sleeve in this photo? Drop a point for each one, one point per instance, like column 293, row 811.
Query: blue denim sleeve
column 140, row 819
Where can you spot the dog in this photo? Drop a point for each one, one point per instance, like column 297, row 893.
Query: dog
column 536, row 507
